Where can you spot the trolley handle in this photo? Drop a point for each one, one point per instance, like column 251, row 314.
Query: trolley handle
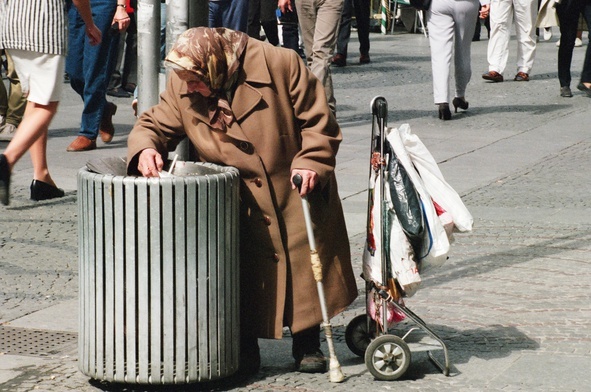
column 379, row 107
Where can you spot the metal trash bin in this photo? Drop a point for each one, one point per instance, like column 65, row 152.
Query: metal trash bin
column 159, row 280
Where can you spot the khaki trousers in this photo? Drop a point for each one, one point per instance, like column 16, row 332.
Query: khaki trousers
column 12, row 103
column 319, row 24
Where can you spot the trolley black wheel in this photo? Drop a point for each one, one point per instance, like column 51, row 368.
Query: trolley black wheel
column 357, row 335
column 387, row 357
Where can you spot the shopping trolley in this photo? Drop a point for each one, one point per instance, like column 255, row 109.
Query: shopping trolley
column 388, row 355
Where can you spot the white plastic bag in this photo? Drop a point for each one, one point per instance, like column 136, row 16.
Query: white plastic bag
column 401, row 254
column 433, row 181
column 435, row 243
column 402, row 259
column 372, row 251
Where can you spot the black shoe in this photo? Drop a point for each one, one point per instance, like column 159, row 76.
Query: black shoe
column 43, row 191
column 565, row 92
column 4, row 181
column 118, row 92
column 444, row 112
column 130, row 87
column 339, row 60
column 250, row 357
column 313, row 362
column 584, row 89
column 460, row 102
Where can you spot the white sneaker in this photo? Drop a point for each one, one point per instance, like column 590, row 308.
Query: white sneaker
column 547, row 33
column 7, row 132
column 578, row 42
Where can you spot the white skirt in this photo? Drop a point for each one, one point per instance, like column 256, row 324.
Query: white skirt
column 41, row 75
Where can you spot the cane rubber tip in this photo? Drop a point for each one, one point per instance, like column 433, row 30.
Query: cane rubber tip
column 336, row 375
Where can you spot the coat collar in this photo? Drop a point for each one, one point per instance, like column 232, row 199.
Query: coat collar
column 253, row 72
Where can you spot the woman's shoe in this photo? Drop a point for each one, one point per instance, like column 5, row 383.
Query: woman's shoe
column 460, row 102
column 4, row 180
column 581, row 86
column 444, row 112
column 43, row 191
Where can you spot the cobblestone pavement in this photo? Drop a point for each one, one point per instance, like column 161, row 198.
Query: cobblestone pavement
column 512, row 303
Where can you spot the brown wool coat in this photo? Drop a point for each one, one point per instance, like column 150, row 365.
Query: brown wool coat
column 282, row 123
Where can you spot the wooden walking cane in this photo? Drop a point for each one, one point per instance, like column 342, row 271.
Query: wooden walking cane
column 335, row 373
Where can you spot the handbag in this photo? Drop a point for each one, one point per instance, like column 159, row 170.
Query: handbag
column 421, row 5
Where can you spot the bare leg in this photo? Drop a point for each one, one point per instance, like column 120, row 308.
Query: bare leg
column 32, row 134
column 38, row 153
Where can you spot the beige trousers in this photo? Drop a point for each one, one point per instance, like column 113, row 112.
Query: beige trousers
column 12, row 102
column 319, row 23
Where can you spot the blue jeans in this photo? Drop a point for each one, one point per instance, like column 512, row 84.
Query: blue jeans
column 232, row 14
column 90, row 67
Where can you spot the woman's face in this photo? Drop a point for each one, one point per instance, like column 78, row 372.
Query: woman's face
column 197, row 86
column 194, row 84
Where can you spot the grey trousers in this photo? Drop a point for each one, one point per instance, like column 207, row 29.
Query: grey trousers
column 451, row 28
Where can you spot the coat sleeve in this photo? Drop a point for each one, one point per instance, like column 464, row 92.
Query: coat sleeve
column 159, row 127
column 320, row 133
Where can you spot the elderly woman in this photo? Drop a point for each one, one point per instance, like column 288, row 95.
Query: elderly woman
column 247, row 104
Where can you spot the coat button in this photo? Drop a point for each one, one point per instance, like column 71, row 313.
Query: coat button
column 258, row 182
column 243, row 146
column 276, row 257
column 267, row 221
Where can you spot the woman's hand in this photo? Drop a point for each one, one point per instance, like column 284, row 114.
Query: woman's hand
column 484, row 10
column 121, row 18
column 309, row 180
column 150, row 163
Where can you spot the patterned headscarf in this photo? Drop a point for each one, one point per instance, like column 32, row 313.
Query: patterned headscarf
column 213, row 55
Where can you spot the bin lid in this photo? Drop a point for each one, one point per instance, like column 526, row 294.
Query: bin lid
column 117, row 166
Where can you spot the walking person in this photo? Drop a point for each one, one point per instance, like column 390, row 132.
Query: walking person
column 319, row 23
column 502, row 15
column 232, row 14
column 41, row 73
column 12, row 102
column 568, row 12
column 90, row 68
column 362, row 11
column 254, row 106
column 451, row 29
column 261, row 13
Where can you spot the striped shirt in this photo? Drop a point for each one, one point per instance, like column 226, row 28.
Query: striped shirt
column 34, row 25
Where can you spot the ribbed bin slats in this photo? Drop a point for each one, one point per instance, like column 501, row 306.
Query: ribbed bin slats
column 159, row 276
